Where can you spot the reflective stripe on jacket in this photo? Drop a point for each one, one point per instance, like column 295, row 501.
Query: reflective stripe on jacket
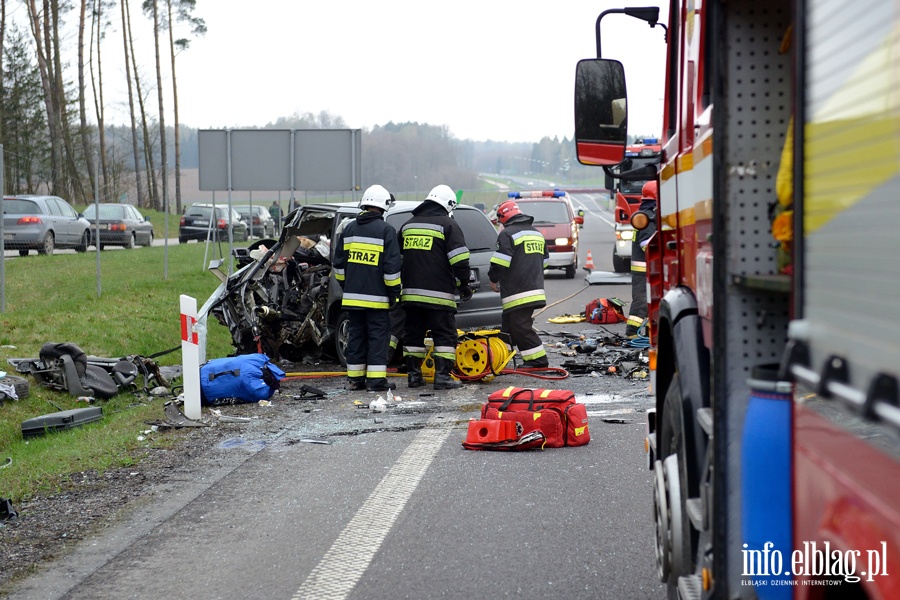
column 435, row 258
column 518, row 264
column 367, row 263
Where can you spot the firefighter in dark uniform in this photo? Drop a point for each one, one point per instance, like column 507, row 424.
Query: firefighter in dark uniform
column 435, row 268
column 517, row 272
column 367, row 266
column 637, row 312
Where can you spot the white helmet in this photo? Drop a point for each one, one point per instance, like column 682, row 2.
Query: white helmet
column 443, row 195
column 378, row 197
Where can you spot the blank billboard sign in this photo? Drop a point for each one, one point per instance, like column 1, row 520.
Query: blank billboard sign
column 280, row 159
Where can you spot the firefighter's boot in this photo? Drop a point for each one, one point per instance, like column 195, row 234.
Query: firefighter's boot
column 442, row 378
column 414, row 377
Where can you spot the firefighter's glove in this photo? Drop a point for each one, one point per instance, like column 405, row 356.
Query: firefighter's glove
column 465, row 293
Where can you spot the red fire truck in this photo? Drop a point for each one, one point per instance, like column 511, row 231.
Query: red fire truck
column 627, row 191
column 773, row 280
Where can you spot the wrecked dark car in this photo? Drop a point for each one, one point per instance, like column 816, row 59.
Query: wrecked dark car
column 283, row 300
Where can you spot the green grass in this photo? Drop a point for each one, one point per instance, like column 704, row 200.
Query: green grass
column 54, row 299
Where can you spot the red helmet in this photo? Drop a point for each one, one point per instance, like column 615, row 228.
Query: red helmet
column 507, row 210
column 649, row 190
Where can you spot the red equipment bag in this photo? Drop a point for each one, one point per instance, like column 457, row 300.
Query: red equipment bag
column 555, row 413
column 604, row 311
column 495, row 434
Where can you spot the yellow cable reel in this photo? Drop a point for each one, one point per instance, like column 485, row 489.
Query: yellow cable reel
column 482, row 354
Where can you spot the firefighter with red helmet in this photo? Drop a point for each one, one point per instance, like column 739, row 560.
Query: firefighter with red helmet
column 517, row 272
column 637, row 312
column 435, row 268
column 367, row 265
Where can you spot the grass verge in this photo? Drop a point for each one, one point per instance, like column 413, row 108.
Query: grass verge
column 55, row 299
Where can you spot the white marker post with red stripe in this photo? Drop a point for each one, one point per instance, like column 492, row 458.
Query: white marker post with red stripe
column 190, row 357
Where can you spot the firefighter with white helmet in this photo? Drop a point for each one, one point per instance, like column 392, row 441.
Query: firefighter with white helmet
column 637, row 312
column 367, row 265
column 517, row 272
column 435, row 269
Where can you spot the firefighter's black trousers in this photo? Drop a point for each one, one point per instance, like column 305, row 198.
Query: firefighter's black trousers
column 367, row 348
column 441, row 323
column 519, row 324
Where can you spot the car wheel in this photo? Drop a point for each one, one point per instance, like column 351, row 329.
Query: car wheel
column 102, row 247
column 182, row 240
column 342, row 337
column 23, row 252
column 570, row 269
column 129, row 243
column 19, row 384
column 84, row 243
column 619, row 265
column 150, row 240
column 48, row 244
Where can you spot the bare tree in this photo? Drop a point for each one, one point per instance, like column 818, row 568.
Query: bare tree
column 35, row 19
column 82, row 110
column 163, row 142
column 198, row 27
column 134, row 135
column 149, row 162
column 97, row 24
column 72, row 176
column 2, row 45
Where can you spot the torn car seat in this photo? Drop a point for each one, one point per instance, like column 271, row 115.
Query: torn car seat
column 64, row 366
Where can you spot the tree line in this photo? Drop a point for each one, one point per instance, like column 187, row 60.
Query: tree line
column 55, row 143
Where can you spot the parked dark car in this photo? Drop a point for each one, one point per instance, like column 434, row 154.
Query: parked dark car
column 291, row 306
column 258, row 219
column 43, row 223
column 202, row 220
column 120, row 225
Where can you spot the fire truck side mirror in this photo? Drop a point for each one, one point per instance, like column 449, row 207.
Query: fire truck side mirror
column 601, row 112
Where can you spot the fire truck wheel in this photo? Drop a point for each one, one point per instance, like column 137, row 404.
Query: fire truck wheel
column 671, row 446
column 677, row 515
column 661, row 507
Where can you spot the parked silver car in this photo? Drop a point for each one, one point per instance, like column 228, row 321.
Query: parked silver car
column 258, row 219
column 120, row 225
column 43, row 223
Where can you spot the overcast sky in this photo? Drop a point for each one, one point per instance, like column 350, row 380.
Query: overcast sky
column 487, row 69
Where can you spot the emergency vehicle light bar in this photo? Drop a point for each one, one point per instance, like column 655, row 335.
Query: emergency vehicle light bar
column 543, row 194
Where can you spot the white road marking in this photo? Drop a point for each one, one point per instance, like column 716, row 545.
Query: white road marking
column 601, row 399
column 611, row 413
column 349, row 556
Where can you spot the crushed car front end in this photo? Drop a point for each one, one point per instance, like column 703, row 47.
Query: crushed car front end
column 275, row 302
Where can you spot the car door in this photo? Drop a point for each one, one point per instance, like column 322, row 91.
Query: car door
column 60, row 222
column 141, row 227
column 74, row 226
